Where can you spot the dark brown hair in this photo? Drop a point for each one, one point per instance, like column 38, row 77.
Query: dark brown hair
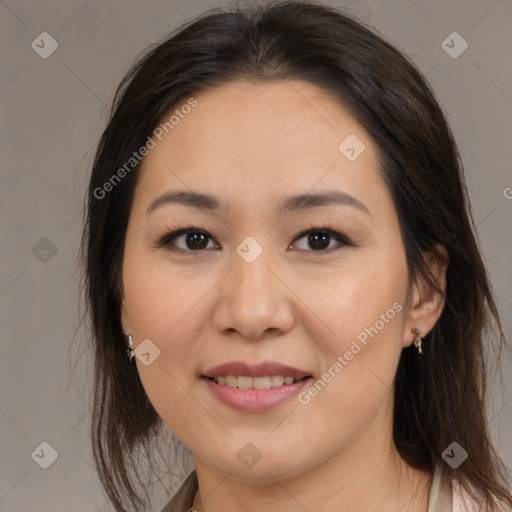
column 438, row 400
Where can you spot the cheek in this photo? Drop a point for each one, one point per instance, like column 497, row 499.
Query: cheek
column 168, row 308
column 170, row 311
column 163, row 298
column 352, row 299
column 363, row 308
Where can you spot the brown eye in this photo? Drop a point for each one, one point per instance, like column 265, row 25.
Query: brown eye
column 320, row 239
column 190, row 240
column 196, row 241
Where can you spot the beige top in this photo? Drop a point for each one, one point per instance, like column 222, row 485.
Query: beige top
column 184, row 497
column 442, row 497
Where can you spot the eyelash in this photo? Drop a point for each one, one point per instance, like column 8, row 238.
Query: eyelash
column 166, row 240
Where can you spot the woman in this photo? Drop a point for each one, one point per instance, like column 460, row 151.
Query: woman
column 278, row 233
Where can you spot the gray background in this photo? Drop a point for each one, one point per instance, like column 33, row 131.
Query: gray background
column 53, row 111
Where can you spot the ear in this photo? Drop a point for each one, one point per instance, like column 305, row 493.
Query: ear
column 427, row 303
column 125, row 319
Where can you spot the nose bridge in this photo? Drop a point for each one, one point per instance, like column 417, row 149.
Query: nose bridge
column 254, row 299
column 253, row 282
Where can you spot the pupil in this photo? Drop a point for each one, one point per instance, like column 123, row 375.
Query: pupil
column 319, row 240
column 195, row 240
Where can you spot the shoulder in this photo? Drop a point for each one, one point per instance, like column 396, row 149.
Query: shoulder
column 464, row 501
column 184, row 497
column 450, row 494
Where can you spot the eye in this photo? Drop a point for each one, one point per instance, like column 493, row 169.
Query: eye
column 192, row 239
column 319, row 239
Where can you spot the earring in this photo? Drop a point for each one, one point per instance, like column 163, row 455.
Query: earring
column 130, row 351
column 417, row 339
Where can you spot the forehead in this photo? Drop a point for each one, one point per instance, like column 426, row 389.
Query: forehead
column 244, row 140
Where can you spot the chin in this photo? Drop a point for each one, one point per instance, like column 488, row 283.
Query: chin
column 253, row 466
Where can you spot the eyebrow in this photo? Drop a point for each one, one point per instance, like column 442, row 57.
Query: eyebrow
column 294, row 203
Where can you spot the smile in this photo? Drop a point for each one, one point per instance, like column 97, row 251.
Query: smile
column 251, row 399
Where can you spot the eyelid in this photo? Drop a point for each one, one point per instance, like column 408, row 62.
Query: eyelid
column 165, row 241
column 335, row 234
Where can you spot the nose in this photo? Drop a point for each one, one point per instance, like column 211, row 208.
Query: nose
column 254, row 300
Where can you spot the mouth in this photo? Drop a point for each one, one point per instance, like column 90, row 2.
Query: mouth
column 255, row 388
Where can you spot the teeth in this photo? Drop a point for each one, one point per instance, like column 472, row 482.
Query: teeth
column 243, row 382
column 276, row 380
column 260, row 382
column 232, row 381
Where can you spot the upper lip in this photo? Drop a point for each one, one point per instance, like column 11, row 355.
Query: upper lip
column 240, row 368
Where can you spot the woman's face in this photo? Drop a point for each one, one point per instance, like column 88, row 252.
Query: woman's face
column 251, row 289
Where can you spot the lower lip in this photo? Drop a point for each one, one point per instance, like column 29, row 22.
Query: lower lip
column 255, row 400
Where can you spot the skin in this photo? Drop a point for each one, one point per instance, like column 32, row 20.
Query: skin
column 252, row 145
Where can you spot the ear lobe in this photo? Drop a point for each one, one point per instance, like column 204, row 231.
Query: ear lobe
column 428, row 302
column 125, row 319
